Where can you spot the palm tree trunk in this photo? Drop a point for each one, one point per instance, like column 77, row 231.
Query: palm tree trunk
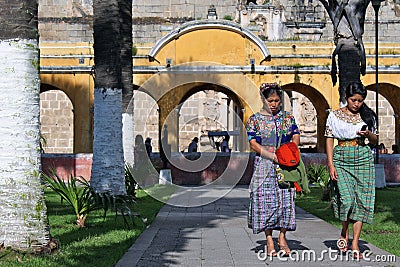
column 110, row 72
column 23, row 213
column 127, row 80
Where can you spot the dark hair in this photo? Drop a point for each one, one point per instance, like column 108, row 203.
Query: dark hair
column 268, row 89
column 366, row 113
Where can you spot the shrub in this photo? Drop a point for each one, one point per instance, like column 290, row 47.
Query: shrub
column 80, row 197
column 318, row 174
column 228, row 17
column 83, row 199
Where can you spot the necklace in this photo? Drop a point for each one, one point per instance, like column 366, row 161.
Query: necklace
column 348, row 112
column 346, row 115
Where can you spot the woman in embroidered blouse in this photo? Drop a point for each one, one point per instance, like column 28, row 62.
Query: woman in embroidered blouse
column 351, row 164
column 270, row 206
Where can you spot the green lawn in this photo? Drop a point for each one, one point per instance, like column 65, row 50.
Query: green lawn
column 384, row 232
column 101, row 243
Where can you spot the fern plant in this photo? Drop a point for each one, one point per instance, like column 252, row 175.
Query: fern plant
column 76, row 191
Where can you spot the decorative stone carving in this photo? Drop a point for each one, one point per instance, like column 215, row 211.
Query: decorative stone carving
column 308, row 115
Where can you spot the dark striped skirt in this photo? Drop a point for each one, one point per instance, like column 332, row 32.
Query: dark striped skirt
column 356, row 183
column 270, row 207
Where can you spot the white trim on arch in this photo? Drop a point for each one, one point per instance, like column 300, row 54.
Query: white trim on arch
column 209, row 24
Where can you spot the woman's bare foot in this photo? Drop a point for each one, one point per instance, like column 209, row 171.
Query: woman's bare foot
column 271, row 252
column 342, row 244
column 283, row 246
column 356, row 251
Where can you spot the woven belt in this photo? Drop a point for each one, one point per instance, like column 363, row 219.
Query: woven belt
column 353, row 142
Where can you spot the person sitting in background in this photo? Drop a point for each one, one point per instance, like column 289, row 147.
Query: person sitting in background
column 382, row 149
column 225, row 144
column 193, row 145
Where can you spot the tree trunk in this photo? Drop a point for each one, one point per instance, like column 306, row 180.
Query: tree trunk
column 111, row 77
column 23, row 213
column 127, row 81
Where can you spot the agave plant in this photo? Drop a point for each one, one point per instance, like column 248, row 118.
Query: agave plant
column 76, row 191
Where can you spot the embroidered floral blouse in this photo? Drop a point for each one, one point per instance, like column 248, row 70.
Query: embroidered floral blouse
column 342, row 126
column 266, row 129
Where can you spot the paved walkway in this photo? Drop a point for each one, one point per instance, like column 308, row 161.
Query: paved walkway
column 216, row 234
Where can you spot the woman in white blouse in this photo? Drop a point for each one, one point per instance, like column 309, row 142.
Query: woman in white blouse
column 351, row 164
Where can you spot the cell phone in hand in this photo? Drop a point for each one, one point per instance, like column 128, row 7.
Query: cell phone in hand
column 364, row 127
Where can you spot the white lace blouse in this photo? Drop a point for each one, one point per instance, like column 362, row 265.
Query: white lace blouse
column 342, row 126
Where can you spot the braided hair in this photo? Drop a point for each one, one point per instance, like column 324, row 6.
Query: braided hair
column 268, row 89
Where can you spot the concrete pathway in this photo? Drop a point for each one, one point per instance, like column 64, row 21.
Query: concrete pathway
column 216, row 234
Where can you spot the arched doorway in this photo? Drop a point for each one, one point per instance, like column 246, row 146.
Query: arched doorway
column 210, row 108
column 146, row 118
column 56, row 122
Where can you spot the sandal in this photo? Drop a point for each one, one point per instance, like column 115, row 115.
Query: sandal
column 342, row 244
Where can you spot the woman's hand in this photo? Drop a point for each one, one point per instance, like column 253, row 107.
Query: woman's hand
column 372, row 138
column 365, row 133
column 333, row 173
column 275, row 159
column 329, row 155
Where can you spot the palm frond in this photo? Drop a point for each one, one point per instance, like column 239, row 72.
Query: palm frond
column 76, row 191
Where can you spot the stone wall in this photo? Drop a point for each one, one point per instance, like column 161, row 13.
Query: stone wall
column 72, row 20
column 81, row 164
column 386, row 119
column 146, row 118
column 196, row 9
column 66, row 165
column 66, row 21
column 56, row 122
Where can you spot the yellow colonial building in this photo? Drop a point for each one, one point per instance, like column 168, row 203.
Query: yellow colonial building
column 212, row 56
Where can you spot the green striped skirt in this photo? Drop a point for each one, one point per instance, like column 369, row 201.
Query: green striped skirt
column 355, row 195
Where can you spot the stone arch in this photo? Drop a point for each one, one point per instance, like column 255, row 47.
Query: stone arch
column 390, row 93
column 213, row 113
column 56, row 120
column 146, row 117
column 79, row 89
column 320, row 104
column 189, row 53
column 202, row 30
column 170, row 88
